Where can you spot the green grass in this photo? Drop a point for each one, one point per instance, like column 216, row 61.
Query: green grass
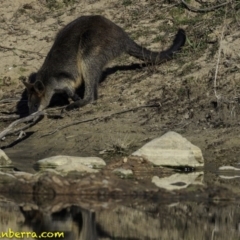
column 22, row 69
column 126, row 3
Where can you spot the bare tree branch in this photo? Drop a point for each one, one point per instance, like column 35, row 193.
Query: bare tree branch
column 9, row 117
column 22, row 50
column 99, row 118
column 193, row 9
column 34, row 117
column 11, row 129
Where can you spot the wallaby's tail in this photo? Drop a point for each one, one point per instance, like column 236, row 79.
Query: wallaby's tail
column 157, row 57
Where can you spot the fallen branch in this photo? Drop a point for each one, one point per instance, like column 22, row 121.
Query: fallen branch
column 193, row 9
column 10, row 100
column 9, row 117
column 34, row 117
column 99, row 118
column 17, row 116
column 218, row 97
column 22, row 50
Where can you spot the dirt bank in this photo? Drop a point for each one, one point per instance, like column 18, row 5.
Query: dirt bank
column 193, row 100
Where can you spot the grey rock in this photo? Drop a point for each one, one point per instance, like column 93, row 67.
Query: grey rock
column 74, row 166
column 171, row 149
column 65, row 164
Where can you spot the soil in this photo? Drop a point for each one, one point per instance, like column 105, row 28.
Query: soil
column 192, row 100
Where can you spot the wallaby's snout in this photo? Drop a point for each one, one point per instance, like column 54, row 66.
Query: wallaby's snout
column 37, row 100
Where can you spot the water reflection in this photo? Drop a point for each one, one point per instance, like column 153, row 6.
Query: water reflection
column 74, row 222
column 168, row 219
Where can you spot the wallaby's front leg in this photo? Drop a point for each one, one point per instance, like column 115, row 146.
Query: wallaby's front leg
column 88, row 97
column 75, row 97
column 71, row 94
column 91, row 78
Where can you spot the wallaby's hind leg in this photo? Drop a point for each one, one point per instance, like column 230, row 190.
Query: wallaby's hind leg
column 91, row 76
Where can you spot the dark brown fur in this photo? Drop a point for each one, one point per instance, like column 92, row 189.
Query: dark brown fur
column 79, row 53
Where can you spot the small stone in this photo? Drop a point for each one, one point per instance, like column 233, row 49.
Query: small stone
column 4, row 159
column 105, row 182
column 123, row 172
column 1, row 94
column 103, row 152
column 57, row 180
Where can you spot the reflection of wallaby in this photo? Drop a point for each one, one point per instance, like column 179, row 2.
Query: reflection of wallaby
column 79, row 53
column 75, row 222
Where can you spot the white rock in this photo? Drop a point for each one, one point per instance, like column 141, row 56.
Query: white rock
column 171, row 149
column 69, row 163
column 92, row 162
column 178, row 180
column 74, row 166
column 4, row 159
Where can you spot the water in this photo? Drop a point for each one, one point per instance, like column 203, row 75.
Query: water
column 198, row 216
column 91, row 219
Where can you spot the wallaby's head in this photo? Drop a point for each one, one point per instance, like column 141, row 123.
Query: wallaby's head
column 38, row 98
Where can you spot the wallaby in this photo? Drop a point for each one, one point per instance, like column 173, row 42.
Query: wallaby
column 80, row 52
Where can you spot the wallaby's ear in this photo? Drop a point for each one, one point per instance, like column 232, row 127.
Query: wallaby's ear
column 28, row 85
column 39, row 88
column 32, row 77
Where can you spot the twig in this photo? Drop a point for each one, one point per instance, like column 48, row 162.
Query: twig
column 218, row 60
column 11, row 128
column 21, row 135
column 193, row 9
column 8, row 117
column 17, row 116
column 98, row 118
column 10, row 100
column 22, row 50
